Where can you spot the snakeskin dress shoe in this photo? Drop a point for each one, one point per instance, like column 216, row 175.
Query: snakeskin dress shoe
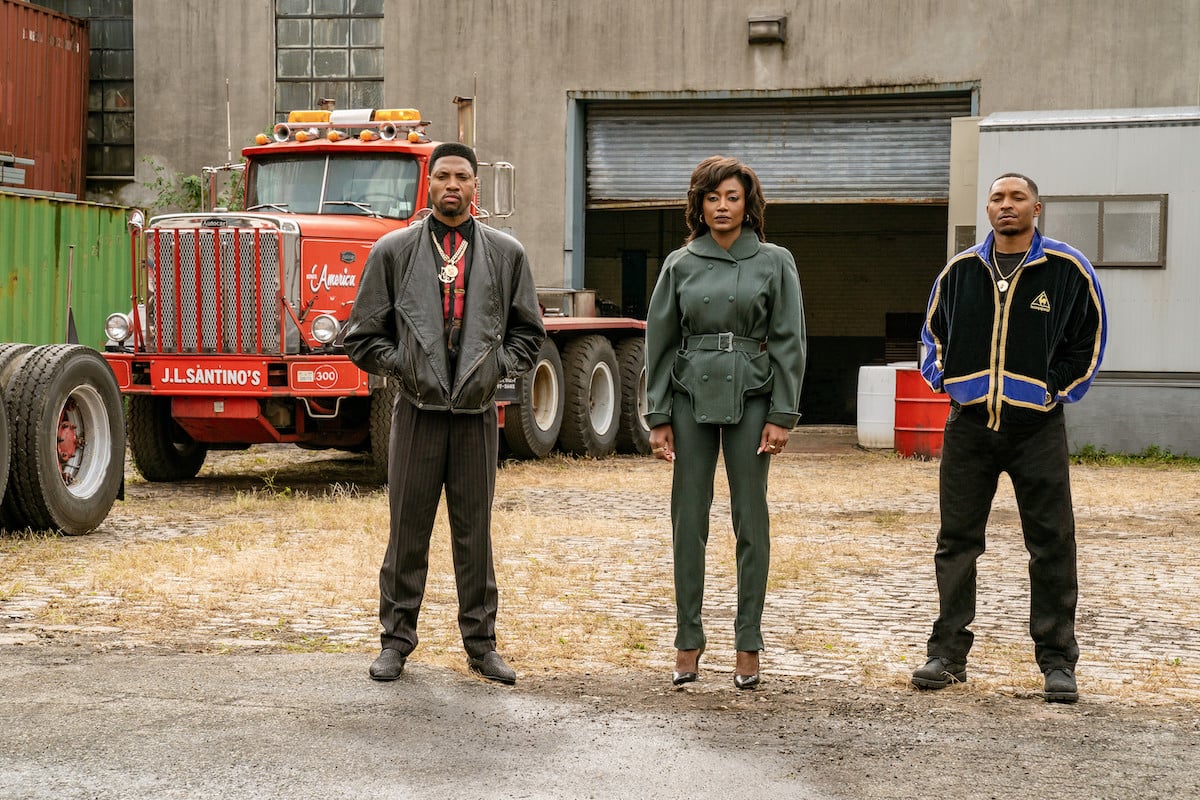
column 492, row 666
column 388, row 666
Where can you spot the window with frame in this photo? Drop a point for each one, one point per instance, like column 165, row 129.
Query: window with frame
column 328, row 49
column 1111, row 230
column 110, row 84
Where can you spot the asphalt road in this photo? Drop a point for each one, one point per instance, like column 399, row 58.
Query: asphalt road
column 136, row 726
column 139, row 725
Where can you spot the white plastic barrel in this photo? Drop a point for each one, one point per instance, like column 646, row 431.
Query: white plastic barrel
column 877, row 404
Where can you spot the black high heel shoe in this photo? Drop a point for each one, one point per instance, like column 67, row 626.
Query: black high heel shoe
column 747, row 681
column 680, row 678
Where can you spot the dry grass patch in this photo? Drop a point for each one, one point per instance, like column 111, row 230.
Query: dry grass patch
column 273, row 552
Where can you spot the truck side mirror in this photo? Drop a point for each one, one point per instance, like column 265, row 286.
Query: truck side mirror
column 503, row 189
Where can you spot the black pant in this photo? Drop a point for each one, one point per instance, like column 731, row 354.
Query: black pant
column 430, row 450
column 1036, row 460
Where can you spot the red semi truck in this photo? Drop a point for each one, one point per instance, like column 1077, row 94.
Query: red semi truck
column 234, row 337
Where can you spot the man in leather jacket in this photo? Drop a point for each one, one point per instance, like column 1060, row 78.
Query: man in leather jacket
column 446, row 309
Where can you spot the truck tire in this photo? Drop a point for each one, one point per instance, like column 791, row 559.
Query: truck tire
column 532, row 424
column 380, row 433
column 10, row 356
column 162, row 451
column 592, row 389
column 68, row 440
column 633, row 434
column 4, row 450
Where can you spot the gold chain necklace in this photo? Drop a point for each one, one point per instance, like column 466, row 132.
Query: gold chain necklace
column 1001, row 279
column 449, row 269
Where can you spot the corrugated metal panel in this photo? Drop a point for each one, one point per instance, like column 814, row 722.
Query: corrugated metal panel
column 43, row 95
column 36, row 235
column 853, row 149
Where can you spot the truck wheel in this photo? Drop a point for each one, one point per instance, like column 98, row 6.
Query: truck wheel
column 633, row 434
column 10, row 355
column 4, row 451
column 532, row 424
column 380, row 425
column 162, row 451
column 592, row 407
column 68, row 441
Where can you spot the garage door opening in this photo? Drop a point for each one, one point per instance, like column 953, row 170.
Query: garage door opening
column 865, row 270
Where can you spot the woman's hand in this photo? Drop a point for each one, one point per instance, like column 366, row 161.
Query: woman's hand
column 773, row 438
column 662, row 442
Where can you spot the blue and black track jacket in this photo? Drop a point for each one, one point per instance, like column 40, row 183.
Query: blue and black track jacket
column 1014, row 356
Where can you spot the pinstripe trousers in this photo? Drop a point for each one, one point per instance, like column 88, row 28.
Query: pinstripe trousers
column 429, row 451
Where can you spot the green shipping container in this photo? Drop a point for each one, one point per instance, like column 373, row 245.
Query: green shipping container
column 37, row 238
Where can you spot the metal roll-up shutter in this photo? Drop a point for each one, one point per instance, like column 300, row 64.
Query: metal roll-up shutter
column 805, row 150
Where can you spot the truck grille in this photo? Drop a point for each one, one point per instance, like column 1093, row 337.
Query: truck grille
column 217, row 290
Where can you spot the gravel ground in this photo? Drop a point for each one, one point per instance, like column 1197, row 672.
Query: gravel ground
column 95, row 709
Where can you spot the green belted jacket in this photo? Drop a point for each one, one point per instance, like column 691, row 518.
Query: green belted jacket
column 724, row 325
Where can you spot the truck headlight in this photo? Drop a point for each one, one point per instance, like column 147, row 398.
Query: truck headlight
column 325, row 328
column 118, row 327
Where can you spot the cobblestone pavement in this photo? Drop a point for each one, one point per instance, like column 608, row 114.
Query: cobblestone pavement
column 859, row 611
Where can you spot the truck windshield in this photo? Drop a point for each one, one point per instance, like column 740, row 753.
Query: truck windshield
column 364, row 185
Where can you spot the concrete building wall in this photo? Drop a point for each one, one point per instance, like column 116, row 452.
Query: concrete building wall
column 184, row 50
column 528, row 62
column 524, row 56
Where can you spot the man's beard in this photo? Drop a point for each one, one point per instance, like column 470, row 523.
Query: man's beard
column 446, row 210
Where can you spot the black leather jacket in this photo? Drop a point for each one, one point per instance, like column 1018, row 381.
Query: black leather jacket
column 396, row 325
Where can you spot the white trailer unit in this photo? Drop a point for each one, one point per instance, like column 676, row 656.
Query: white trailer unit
column 1124, row 187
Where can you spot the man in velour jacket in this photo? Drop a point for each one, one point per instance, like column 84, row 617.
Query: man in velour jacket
column 446, row 309
column 1015, row 329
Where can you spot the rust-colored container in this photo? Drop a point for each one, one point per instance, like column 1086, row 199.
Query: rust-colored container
column 43, row 98
column 920, row 416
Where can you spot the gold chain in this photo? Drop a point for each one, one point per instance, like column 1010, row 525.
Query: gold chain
column 449, row 269
column 1002, row 282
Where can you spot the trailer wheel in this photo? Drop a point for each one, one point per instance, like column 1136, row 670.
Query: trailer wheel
column 68, row 440
column 633, row 434
column 10, row 355
column 162, row 451
column 380, row 427
column 4, row 451
column 592, row 406
column 532, row 424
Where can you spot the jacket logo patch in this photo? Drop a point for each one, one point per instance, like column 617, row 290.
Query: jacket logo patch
column 1041, row 303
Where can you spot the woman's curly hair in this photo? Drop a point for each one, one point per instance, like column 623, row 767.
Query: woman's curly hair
column 708, row 175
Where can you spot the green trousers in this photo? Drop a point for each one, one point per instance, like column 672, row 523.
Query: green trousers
column 696, row 448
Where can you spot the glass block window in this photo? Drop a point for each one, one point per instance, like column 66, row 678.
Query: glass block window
column 328, row 49
column 1111, row 230
column 110, row 84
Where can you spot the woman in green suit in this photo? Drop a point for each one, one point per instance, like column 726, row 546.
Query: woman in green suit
column 725, row 351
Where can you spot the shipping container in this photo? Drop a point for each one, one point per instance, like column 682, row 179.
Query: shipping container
column 46, row 244
column 44, row 60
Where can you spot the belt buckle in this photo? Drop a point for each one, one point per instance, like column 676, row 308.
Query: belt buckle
column 725, row 341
